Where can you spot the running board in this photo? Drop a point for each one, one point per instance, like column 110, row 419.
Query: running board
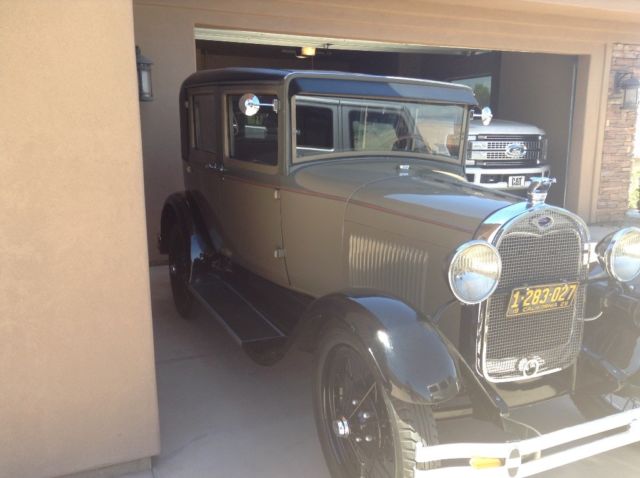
column 243, row 321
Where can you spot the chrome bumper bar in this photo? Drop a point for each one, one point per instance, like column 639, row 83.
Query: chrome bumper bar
column 534, row 455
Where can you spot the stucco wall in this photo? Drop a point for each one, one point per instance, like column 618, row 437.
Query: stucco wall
column 164, row 30
column 77, row 380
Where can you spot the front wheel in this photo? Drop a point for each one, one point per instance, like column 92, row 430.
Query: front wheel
column 597, row 406
column 363, row 431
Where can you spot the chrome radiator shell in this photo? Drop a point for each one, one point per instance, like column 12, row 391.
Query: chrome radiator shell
column 532, row 255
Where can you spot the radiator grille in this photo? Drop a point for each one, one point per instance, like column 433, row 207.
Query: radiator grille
column 494, row 150
column 502, row 145
column 533, row 257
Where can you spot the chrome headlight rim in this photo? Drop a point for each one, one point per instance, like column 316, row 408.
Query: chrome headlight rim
column 462, row 249
column 606, row 248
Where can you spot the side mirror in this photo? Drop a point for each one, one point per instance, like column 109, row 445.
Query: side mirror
column 486, row 115
column 249, row 104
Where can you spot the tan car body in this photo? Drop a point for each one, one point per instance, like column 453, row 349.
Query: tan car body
column 308, row 226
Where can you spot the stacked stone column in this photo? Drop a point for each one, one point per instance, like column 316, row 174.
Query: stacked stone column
column 619, row 136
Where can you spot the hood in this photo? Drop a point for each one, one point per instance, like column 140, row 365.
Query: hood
column 499, row 126
column 439, row 200
column 432, row 197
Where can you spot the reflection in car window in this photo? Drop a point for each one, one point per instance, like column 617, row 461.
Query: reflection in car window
column 253, row 138
column 381, row 127
column 204, row 122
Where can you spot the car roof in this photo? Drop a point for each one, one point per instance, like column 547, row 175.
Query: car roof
column 337, row 82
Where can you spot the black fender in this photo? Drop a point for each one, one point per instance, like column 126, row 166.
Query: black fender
column 413, row 359
column 181, row 210
column 610, row 356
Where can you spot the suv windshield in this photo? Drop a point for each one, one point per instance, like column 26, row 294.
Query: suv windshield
column 337, row 125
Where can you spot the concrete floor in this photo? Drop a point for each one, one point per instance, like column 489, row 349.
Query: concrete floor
column 223, row 416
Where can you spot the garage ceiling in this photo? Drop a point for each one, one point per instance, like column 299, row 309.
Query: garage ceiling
column 258, row 38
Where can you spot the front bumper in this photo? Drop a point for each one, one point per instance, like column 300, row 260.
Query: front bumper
column 498, row 178
column 534, row 455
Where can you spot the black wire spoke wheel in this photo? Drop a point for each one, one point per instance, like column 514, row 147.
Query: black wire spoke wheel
column 179, row 272
column 597, row 406
column 364, row 433
column 353, row 411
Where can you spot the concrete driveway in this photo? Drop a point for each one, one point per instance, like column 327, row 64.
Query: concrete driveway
column 223, row 416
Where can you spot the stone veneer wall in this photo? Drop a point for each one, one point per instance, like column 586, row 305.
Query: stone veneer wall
column 619, row 136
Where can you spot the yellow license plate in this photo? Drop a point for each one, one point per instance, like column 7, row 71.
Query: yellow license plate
column 528, row 300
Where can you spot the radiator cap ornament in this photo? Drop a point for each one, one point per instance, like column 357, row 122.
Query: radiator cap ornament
column 538, row 190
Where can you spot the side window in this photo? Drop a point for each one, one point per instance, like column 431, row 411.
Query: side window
column 253, row 138
column 204, row 123
column 314, row 130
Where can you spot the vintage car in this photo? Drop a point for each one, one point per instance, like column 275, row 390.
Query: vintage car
column 331, row 211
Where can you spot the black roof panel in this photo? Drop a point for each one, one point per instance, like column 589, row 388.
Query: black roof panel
column 338, row 83
column 224, row 75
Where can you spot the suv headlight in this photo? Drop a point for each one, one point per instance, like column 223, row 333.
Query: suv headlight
column 619, row 254
column 474, row 271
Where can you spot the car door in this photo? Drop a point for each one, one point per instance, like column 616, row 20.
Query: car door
column 250, row 187
column 205, row 157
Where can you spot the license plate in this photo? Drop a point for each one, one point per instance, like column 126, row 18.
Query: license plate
column 516, row 181
column 527, row 300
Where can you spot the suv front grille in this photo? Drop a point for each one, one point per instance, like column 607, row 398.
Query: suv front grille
column 494, row 150
column 531, row 257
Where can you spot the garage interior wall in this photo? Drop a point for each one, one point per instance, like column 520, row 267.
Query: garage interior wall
column 538, row 89
column 77, row 375
column 164, row 29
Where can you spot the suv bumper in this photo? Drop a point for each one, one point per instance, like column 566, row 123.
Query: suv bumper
column 534, row 455
column 498, row 178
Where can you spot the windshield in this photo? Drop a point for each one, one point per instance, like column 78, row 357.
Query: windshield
column 329, row 126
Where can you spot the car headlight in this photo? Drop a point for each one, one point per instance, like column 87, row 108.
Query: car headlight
column 474, row 271
column 619, row 254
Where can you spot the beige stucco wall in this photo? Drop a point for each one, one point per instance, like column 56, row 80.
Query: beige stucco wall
column 77, row 380
column 164, row 30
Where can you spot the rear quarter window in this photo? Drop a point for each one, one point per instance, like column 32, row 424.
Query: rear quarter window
column 204, row 122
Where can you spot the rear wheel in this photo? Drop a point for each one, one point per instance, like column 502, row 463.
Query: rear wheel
column 179, row 272
column 363, row 431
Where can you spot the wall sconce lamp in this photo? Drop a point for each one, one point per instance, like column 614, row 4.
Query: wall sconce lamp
column 305, row 52
column 143, row 65
column 628, row 84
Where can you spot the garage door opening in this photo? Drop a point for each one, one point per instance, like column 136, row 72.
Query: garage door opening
column 531, row 88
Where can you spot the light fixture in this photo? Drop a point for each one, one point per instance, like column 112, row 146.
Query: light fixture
column 143, row 65
column 305, row 52
column 628, row 84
